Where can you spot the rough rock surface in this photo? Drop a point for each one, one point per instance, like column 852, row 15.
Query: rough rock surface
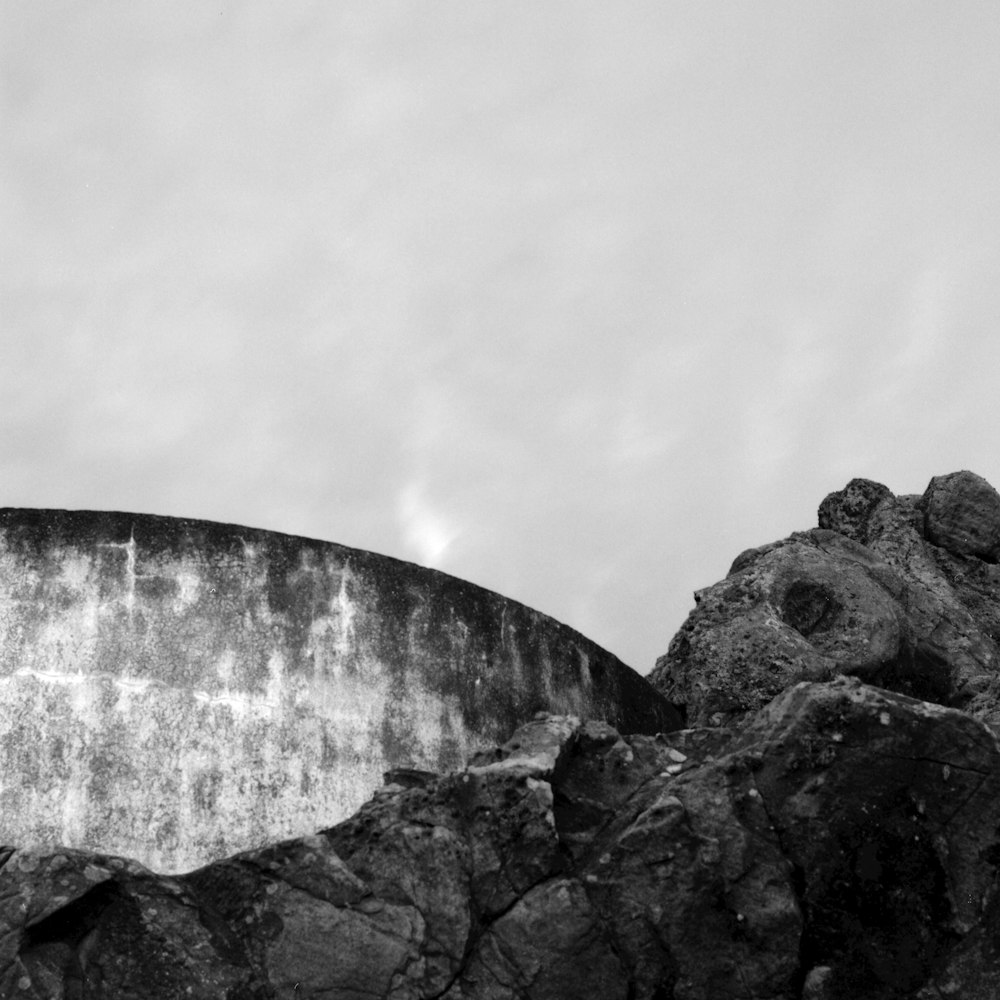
column 902, row 592
column 829, row 830
column 842, row 844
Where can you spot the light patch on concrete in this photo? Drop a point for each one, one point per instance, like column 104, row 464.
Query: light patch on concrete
column 51, row 676
column 75, row 572
column 15, row 577
column 135, row 685
column 332, row 636
column 202, row 796
column 343, row 610
column 129, row 549
column 49, row 653
column 425, row 712
column 224, row 666
column 569, row 702
column 74, row 810
column 188, row 589
column 241, row 703
column 275, row 679
column 355, row 706
column 513, row 649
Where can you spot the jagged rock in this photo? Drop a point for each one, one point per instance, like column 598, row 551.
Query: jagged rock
column 902, row 592
column 871, row 801
column 849, row 511
column 843, row 844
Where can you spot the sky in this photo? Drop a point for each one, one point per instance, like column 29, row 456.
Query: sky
column 573, row 300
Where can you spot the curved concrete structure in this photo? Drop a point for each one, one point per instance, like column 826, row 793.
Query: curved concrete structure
column 176, row 690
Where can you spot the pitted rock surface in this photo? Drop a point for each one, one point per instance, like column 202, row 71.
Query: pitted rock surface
column 962, row 515
column 902, row 592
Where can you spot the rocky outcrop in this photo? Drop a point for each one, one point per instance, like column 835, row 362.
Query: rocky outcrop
column 843, row 844
column 901, row 592
column 179, row 690
column 826, row 828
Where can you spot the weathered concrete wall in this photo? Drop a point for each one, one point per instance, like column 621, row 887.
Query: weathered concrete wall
column 176, row 690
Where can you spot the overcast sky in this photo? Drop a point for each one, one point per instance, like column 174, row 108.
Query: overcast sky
column 573, row 300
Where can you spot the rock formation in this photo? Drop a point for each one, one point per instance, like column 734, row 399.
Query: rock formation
column 901, row 592
column 843, row 844
column 827, row 828
column 178, row 690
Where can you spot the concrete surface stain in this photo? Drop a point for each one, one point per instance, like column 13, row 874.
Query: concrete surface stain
column 177, row 690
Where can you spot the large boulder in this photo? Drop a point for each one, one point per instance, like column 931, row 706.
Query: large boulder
column 842, row 845
column 962, row 515
column 902, row 592
column 178, row 690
